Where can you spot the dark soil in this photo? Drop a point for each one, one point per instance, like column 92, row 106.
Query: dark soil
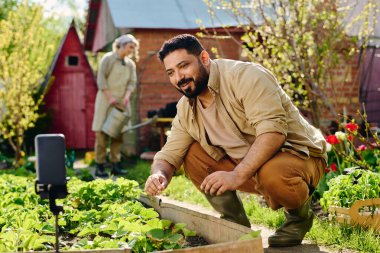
column 67, row 240
column 195, row 241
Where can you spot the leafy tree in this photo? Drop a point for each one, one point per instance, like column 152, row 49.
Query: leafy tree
column 27, row 47
column 6, row 6
column 302, row 42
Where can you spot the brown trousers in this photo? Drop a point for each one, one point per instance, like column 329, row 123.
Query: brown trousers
column 283, row 180
column 101, row 143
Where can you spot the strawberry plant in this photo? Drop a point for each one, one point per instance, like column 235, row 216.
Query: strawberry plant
column 97, row 215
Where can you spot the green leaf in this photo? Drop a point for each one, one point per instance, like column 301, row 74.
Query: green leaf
column 251, row 235
column 86, row 231
column 29, row 241
column 166, row 224
column 188, row 232
column 180, row 226
column 109, row 228
column 157, row 234
column 149, row 213
column 120, row 233
column 61, row 222
column 48, row 228
column 175, row 238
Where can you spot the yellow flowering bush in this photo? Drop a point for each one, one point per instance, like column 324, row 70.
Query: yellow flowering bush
column 26, row 50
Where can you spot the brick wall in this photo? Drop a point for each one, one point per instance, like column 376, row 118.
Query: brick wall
column 343, row 90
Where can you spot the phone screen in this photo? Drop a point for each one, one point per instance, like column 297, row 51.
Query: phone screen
column 50, row 159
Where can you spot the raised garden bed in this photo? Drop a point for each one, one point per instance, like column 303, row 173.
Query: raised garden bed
column 105, row 214
column 222, row 235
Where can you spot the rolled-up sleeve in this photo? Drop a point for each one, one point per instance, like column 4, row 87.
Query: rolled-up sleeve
column 131, row 86
column 261, row 98
column 176, row 146
column 101, row 78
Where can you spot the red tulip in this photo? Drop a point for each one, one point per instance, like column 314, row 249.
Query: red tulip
column 352, row 127
column 333, row 167
column 332, row 139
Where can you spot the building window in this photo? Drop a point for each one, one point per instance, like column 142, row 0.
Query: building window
column 72, row 60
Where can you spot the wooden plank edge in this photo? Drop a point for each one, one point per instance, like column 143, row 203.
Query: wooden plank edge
column 202, row 220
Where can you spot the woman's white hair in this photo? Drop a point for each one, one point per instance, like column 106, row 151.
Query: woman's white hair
column 125, row 39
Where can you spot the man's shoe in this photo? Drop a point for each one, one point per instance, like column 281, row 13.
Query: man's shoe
column 100, row 171
column 298, row 222
column 117, row 170
column 230, row 207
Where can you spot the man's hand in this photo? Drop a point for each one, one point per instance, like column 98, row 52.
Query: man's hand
column 155, row 184
column 219, row 182
column 265, row 146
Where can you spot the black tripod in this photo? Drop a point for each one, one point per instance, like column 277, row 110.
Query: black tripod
column 53, row 192
column 51, row 180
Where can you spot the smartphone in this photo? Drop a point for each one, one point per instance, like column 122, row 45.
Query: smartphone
column 50, row 159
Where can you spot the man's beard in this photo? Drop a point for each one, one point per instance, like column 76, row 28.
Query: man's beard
column 200, row 83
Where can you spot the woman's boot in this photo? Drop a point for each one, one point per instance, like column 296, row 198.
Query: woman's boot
column 117, row 170
column 100, row 171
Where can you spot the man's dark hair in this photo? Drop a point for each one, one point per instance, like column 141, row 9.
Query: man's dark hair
column 183, row 41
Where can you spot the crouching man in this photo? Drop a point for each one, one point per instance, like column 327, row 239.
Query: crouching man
column 236, row 129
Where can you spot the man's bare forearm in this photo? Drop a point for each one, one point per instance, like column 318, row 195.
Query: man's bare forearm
column 164, row 168
column 265, row 146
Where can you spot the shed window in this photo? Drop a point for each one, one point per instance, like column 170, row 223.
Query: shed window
column 72, row 60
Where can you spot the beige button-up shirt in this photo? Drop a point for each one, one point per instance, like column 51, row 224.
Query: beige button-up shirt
column 251, row 103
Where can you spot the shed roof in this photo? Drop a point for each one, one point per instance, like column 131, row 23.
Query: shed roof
column 108, row 18
column 172, row 14
column 55, row 59
column 71, row 29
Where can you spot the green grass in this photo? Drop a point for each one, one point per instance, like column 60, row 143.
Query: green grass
column 138, row 171
column 341, row 236
column 260, row 215
column 180, row 188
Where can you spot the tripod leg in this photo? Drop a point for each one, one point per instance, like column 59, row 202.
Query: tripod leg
column 56, row 234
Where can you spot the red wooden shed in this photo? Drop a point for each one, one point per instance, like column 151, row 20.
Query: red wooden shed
column 70, row 96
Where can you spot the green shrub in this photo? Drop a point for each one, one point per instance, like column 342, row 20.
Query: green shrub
column 344, row 190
